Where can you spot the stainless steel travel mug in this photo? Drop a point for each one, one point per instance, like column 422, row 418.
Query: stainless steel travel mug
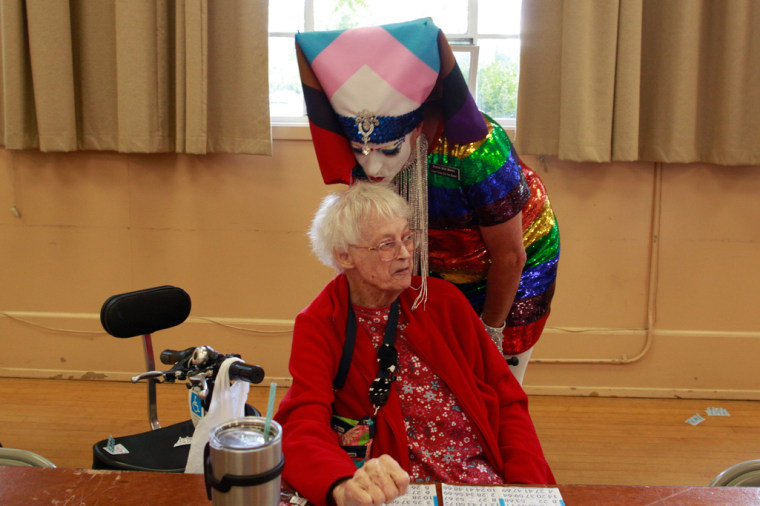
column 241, row 466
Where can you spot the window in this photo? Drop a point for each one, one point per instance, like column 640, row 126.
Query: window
column 485, row 36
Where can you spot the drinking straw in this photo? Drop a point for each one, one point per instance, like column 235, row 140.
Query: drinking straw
column 270, row 409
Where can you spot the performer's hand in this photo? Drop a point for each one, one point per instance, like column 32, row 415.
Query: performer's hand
column 378, row 481
column 496, row 333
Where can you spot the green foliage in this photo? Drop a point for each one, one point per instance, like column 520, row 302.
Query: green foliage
column 347, row 12
column 497, row 88
column 351, row 5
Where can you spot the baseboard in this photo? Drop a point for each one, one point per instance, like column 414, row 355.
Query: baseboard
column 586, row 362
column 69, row 374
column 646, row 393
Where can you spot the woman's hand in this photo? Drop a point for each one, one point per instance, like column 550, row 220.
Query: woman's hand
column 378, row 481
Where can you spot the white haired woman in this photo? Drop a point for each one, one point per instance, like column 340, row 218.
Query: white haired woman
column 383, row 394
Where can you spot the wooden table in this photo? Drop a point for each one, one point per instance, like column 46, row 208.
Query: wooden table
column 33, row 485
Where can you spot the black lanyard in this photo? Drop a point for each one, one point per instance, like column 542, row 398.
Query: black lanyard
column 387, row 357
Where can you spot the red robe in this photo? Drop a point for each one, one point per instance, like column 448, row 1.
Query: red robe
column 449, row 337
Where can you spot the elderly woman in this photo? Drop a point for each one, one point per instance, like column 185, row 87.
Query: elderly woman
column 433, row 397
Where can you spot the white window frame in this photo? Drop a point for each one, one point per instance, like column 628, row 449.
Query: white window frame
column 292, row 127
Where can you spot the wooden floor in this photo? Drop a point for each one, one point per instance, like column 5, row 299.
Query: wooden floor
column 587, row 440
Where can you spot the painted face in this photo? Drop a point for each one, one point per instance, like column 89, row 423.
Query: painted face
column 385, row 160
column 376, row 280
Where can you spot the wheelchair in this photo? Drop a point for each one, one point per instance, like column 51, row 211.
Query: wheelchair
column 163, row 449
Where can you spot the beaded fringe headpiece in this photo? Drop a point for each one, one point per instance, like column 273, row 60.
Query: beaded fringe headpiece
column 411, row 183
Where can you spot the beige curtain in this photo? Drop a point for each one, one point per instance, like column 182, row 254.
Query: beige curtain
column 651, row 80
column 147, row 76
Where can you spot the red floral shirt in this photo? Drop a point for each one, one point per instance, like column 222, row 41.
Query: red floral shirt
column 443, row 446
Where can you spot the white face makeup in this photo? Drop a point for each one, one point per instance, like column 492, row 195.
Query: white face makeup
column 384, row 160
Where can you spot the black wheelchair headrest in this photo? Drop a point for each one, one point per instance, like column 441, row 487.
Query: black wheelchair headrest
column 144, row 311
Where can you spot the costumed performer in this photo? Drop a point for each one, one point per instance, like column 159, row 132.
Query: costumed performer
column 390, row 103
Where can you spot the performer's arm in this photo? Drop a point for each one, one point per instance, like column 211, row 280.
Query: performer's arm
column 505, row 245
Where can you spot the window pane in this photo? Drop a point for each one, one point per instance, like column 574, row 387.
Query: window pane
column 286, row 16
column 449, row 15
column 499, row 16
column 498, row 71
column 464, row 60
column 497, row 64
column 285, row 93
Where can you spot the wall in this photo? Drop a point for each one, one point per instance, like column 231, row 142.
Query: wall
column 654, row 298
column 657, row 282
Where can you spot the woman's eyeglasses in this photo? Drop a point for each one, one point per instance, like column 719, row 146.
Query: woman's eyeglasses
column 388, row 250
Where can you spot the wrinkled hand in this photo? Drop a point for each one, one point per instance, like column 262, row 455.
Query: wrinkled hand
column 378, row 481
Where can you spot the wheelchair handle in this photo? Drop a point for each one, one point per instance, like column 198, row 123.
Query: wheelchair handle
column 246, row 372
column 170, row 357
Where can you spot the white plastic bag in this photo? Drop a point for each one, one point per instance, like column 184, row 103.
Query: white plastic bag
column 227, row 402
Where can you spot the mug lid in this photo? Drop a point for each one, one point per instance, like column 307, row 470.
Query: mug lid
column 240, row 438
column 244, row 433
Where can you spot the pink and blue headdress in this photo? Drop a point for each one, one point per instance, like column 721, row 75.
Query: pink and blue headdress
column 371, row 86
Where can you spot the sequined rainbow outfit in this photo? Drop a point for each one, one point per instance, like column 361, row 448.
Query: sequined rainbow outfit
column 484, row 183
